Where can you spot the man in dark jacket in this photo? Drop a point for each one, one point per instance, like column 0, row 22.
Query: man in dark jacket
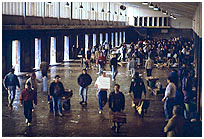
column 84, row 80
column 56, row 93
column 114, row 66
column 137, row 86
column 27, row 97
column 10, row 82
column 116, row 103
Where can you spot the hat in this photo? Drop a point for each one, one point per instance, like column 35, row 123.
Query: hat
column 57, row 76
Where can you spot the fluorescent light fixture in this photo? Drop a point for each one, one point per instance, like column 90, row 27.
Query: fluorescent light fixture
column 145, row 3
column 102, row 10
column 151, row 5
column 156, row 8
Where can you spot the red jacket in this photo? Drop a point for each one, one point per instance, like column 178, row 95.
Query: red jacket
column 27, row 95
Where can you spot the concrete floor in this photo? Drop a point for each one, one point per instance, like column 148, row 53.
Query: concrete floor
column 81, row 122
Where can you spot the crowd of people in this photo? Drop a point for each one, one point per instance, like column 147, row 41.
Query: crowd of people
column 144, row 53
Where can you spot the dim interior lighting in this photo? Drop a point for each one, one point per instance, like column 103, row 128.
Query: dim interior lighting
column 115, row 12
column 145, row 3
column 151, row 5
column 102, row 10
column 156, row 8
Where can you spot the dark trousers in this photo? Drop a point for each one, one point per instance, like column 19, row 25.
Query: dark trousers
column 28, row 105
column 168, row 107
column 149, row 72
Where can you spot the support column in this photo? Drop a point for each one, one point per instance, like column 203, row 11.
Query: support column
column 124, row 37
column 66, row 48
column 147, row 21
column 116, row 38
column 157, row 21
column 112, row 39
column 101, row 38
column 162, row 21
column 142, row 21
column 106, row 38
column 153, row 21
column 59, row 48
column 86, row 43
column 94, row 39
column 138, row 21
column 120, row 38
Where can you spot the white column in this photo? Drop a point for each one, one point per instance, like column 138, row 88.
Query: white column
column 116, row 38
column 123, row 36
column 142, row 21
column 112, row 39
column 53, row 51
column 120, row 38
column 101, row 38
column 147, row 21
column 138, row 21
column 66, row 48
column 77, row 41
column 16, row 55
column 94, row 39
column 162, row 21
column 86, row 43
column 106, row 37
column 37, row 53
column 158, row 21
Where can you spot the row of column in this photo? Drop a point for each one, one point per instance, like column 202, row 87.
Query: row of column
column 26, row 53
column 153, row 21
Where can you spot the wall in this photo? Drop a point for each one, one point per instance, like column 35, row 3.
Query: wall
column 181, row 23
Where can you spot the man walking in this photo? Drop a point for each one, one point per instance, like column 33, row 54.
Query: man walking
column 116, row 104
column 149, row 66
column 56, row 92
column 27, row 97
column 10, row 82
column 114, row 66
column 84, row 80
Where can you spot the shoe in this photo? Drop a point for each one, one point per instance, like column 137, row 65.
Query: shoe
column 26, row 121
column 100, row 111
column 116, row 130
column 81, row 102
column 29, row 124
column 60, row 114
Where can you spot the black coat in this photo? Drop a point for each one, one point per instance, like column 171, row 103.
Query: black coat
column 84, row 80
column 137, row 86
column 56, row 93
column 114, row 62
column 116, row 101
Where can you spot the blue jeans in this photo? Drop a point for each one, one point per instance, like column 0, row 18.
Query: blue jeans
column 102, row 99
column 168, row 107
column 114, row 72
column 83, row 93
column 100, row 69
column 56, row 101
column 11, row 94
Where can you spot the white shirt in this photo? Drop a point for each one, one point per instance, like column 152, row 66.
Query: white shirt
column 170, row 91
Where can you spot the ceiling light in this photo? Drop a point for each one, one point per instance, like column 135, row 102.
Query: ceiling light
column 122, row 7
column 102, row 10
column 156, row 8
column 151, row 5
column 67, row 4
column 159, row 9
column 109, row 12
column 115, row 12
column 92, row 9
column 174, row 17
column 145, row 3
column 80, row 6
column 171, row 16
column 120, row 13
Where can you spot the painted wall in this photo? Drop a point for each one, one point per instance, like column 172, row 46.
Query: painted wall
column 197, row 21
column 181, row 23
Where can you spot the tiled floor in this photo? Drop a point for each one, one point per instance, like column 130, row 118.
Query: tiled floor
column 81, row 122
